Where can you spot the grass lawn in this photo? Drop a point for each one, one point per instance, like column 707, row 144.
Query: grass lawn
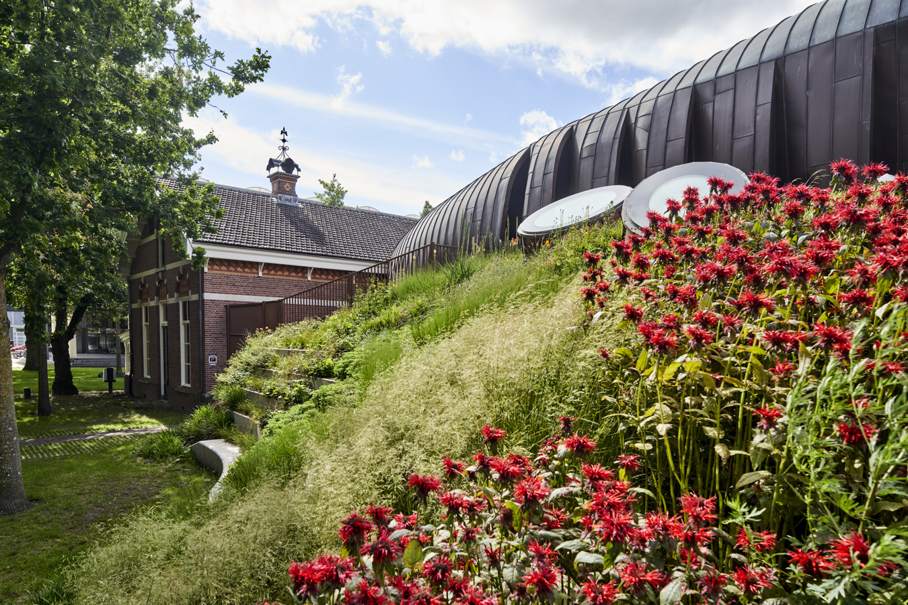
column 91, row 414
column 85, row 379
column 76, row 497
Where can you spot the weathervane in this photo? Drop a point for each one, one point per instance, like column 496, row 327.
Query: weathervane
column 283, row 161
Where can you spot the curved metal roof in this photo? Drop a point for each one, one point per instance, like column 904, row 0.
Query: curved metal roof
column 787, row 100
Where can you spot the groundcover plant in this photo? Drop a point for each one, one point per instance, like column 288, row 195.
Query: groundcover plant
column 761, row 392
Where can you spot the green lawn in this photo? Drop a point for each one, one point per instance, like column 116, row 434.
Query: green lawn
column 75, row 498
column 85, row 379
column 91, row 414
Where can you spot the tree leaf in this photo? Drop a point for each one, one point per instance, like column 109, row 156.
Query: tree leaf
column 413, row 553
column 588, row 558
column 748, row 478
column 673, row 592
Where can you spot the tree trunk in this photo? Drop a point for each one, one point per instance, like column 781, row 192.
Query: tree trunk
column 33, row 348
column 12, row 489
column 59, row 344
column 119, row 344
column 44, row 408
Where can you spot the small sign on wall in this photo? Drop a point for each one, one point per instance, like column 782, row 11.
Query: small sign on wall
column 212, row 360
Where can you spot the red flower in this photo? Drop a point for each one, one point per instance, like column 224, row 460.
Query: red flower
column 851, row 548
column 811, row 562
column 595, row 474
column 712, row 583
column 753, row 303
column 632, row 313
column 749, row 580
column 493, row 436
column 381, row 515
column 600, row 594
column 781, row 368
column 832, row 337
column 700, row 511
column 382, row 550
column 437, row 570
column 543, row 578
column 452, row 467
column 567, row 423
column 635, row 577
column 855, row 434
column 354, row 530
column 629, row 462
column 769, row 417
column 591, row 259
column 365, row 595
column 760, row 541
column 542, row 552
column 581, row 446
column 845, row 169
column 424, row 485
column 698, row 337
column 875, row 171
column 529, row 493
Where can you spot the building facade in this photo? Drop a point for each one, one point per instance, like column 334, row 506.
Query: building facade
column 267, row 247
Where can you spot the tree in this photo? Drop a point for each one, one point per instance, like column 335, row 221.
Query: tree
column 426, row 209
column 92, row 97
column 333, row 194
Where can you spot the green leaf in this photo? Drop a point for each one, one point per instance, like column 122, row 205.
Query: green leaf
column 692, row 366
column 673, row 592
column 670, row 371
column 398, row 534
column 624, row 352
column 723, row 451
column 887, row 506
column 708, row 381
column 662, row 429
column 413, row 553
column 748, row 478
column 641, row 361
column 882, row 310
column 572, row 545
column 642, row 490
column 588, row 558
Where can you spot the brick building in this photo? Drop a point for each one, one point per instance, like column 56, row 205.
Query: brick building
column 267, row 246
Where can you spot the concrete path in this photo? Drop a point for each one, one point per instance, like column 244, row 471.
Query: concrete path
column 87, row 436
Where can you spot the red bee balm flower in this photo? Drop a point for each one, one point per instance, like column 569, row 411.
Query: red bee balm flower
column 769, row 417
column 629, row 462
column 543, row 578
column 581, row 446
column 752, row 581
column 811, row 562
column 493, row 436
column 354, row 530
column 600, row 594
column 632, row 313
column 851, row 548
column 424, row 485
column 529, row 493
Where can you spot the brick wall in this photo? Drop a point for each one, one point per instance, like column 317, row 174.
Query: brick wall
column 224, row 278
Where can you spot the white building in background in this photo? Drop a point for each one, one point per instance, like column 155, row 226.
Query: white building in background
column 17, row 326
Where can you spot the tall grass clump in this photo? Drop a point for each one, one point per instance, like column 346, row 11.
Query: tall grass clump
column 206, row 422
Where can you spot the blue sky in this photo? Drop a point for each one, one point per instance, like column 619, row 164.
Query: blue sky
column 410, row 100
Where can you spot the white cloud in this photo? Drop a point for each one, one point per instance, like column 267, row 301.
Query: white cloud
column 469, row 117
column 244, row 151
column 457, row 155
column 422, row 162
column 624, row 89
column 535, row 125
column 379, row 116
column 384, row 47
column 349, row 86
column 576, row 37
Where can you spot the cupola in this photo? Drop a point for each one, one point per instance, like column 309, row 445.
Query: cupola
column 281, row 174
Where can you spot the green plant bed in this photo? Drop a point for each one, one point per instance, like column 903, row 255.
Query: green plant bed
column 85, row 379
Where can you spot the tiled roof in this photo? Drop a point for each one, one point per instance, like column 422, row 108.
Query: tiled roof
column 252, row 219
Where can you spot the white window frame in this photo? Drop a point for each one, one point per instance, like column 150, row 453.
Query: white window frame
column 185, row 357
column 146, row 349
column 162, row 323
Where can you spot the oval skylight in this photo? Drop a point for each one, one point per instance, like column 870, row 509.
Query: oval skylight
column 653, row 192
column 585, row 206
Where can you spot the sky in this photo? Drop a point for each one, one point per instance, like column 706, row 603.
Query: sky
column 408, row 101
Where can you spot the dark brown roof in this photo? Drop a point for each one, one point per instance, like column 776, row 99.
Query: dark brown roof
column 253, row 219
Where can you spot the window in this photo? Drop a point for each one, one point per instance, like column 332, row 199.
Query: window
column 162, row 249
column 184, row 343
column 146, row 345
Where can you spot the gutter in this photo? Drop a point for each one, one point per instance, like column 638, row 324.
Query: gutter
column 201, row 336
